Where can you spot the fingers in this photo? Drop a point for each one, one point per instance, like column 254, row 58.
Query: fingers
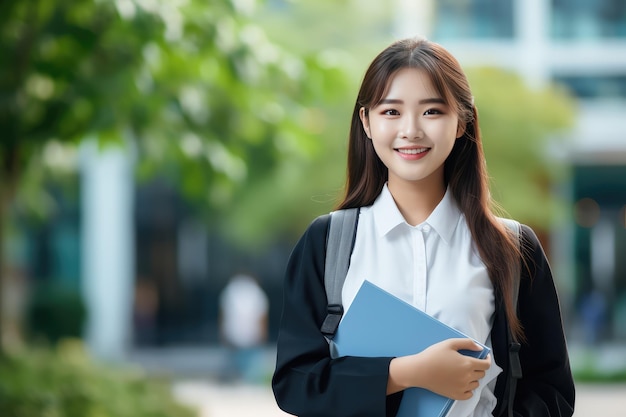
column 479, row 374
column 465, row 396
column 481, row 364
column 469, row 344
column 464, row 344
column 467, row 391
column 446, row 371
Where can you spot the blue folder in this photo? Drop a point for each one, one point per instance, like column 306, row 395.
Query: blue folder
column 380, row 324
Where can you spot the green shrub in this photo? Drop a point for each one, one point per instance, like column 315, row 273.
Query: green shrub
column 598, row 365
column 55, row 312
column 65, row 382
column 590, row 375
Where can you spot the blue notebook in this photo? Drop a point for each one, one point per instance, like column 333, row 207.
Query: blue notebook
column 380, row 324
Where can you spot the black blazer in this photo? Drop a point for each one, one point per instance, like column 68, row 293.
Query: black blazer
column 308, row 383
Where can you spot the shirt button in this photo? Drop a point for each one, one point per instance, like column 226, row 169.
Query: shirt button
column 426, row 229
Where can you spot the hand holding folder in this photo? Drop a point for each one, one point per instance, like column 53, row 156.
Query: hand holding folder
column 380, row 324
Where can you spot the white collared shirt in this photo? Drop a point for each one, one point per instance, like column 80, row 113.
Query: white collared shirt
column 434, row 266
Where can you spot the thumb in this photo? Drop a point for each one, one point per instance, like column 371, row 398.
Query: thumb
column 464, row 343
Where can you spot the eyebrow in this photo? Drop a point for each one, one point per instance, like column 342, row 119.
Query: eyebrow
column 432, row 100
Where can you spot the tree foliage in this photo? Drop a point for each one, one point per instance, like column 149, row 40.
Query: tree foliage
column 245, row 111
column 195, row 88
column 519, row 125
column 67, row 70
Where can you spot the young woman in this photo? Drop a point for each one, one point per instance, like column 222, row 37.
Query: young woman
column 427, row 234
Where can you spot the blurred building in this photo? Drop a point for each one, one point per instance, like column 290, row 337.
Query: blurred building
column 147, row 268
column 581, row 45
column 150, row 272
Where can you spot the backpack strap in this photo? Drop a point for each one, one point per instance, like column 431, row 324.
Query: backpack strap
column 515, row 367
column 340, row 241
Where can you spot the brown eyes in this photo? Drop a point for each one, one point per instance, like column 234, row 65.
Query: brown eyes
column 393, row 112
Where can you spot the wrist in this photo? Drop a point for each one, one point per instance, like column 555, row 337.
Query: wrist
column 404, row 372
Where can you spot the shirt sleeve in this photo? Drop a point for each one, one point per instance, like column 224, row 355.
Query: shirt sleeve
column 547, row 387
column 306, row 381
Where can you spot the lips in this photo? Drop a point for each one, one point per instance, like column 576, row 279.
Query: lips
column 412, row 151
column 412, row 154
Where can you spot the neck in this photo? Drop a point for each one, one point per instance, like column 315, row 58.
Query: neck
column 417, row 201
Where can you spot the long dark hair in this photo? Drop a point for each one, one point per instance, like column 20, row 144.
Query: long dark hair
column 465, row 171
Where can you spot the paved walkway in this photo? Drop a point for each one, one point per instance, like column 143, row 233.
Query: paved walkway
column 600, row 401
column 214, row 400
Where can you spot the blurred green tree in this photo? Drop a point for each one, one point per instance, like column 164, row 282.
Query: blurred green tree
column 197, row 88
column 521, row 127
column 519, row 124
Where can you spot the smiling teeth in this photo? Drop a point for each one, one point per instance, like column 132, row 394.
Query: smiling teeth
column 412, row 151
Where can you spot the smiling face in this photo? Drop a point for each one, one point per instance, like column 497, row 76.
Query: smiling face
column 412, row 129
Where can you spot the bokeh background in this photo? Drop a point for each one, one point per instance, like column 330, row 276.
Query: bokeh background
column 151, row 149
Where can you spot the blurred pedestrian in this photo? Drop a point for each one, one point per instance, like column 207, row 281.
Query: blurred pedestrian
column 243, row 327
column 593, row 311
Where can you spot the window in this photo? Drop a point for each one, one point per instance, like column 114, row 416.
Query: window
column 478, row 19
column 589, row 87
column 584, row 19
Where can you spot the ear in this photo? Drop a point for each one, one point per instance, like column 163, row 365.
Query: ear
column 460, row 129
column 365, row 121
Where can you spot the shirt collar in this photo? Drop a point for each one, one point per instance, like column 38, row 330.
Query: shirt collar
column 443, row 219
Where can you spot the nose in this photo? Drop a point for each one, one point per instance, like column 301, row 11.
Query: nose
column 411, row 128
